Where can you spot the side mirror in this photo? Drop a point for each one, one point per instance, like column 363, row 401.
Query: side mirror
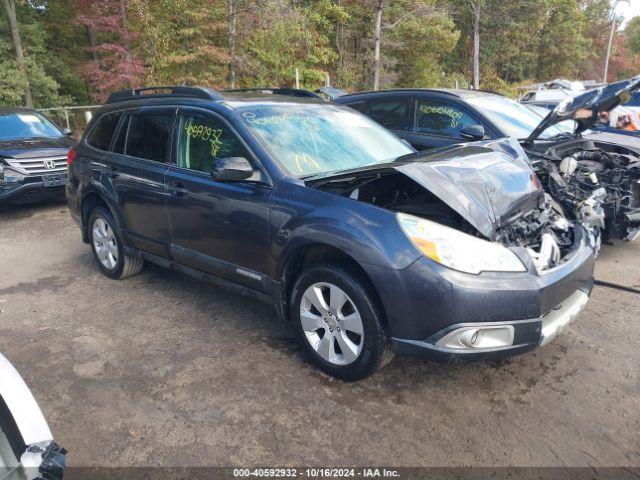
column 473, row 133
column 231, row 169
column 67, row 132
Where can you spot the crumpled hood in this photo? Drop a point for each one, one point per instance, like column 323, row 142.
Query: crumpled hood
column 45, row 147
column 584, row 108
column 487, row 183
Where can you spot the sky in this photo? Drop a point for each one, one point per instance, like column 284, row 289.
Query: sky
column 628, row 10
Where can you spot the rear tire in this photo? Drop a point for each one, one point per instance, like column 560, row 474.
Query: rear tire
column 108, row 249
column 338, row 322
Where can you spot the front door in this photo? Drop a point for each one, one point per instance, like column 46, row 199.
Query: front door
column 217, row 227
column 439, row 123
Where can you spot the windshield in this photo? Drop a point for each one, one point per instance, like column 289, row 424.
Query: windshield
column 21, row 126
column 514, row 119
column 310, row 139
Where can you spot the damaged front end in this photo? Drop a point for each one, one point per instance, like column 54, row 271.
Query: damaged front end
column 596, row 182
column 27, row 449
column 597, row 186
column 486, row 190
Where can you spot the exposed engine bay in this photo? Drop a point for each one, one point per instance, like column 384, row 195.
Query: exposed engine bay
column 597, row 184
column 539, row 227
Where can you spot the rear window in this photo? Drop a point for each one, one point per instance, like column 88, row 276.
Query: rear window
column 390, row 113
column 148, row 136
column 102, row 134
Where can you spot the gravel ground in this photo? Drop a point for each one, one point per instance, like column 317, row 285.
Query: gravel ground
column 160, row 369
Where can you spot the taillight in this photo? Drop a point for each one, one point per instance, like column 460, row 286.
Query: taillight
column 71, row 156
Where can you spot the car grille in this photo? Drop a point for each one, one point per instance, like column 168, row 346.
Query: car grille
column 37, row 166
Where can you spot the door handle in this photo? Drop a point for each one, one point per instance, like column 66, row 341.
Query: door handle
column 178, row 189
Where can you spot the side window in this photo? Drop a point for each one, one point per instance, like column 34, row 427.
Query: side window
column 102, row 134
column 204, row 139
column 148, row 136
column 390, row 113
column 443, row 119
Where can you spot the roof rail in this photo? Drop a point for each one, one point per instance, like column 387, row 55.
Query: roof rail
column 293, row 92
column 160, row 92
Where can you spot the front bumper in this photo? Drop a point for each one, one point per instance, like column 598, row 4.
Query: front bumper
column 527, row 335
column 427, row 301
column 31, row 187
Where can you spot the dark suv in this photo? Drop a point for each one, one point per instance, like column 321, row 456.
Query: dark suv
column 365, row 246
column 33, row 156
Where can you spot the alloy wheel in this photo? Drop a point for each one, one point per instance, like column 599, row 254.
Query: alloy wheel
column 331, row 323
column 105, row 243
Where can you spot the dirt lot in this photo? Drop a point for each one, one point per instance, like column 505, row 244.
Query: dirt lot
column 161, row 369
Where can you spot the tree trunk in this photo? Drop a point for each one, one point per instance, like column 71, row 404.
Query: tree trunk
column 376, row 46
column 91, row 37
column 232, row 43
column 10, row 6
column 606, row 60
column 126, row 41
column 476, row 44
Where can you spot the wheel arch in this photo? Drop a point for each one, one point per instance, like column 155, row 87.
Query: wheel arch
column 89, row 202
column 316, row 253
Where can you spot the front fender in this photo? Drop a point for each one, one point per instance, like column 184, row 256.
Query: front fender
column 368, row 234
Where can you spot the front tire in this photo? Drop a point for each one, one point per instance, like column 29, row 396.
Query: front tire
column 338, row 322
column 108, row 250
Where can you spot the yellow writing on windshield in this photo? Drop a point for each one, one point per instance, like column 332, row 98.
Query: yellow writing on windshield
column 304, row 160
column 201, row 132
column 453, row 114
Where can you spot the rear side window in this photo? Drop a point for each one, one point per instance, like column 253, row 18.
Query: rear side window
column 102, row 134
column 390, row 113
column 148, row 136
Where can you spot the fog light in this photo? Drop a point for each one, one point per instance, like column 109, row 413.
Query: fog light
column 474, row 338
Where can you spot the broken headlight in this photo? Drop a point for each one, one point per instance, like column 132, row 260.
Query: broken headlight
column 457, row 250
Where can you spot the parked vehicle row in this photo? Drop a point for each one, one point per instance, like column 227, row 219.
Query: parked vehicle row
column 464, row 230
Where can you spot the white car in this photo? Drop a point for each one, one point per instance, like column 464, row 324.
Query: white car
column 27, row 449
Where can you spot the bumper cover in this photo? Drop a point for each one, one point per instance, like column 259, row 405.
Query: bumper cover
column 528, row 334
column 427, row 301
column 30, row 186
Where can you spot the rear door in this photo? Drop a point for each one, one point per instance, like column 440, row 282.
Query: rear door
column 137, row 167
column 438, row 123
column 217, row 227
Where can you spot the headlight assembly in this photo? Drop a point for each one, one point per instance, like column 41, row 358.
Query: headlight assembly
column 457, row 250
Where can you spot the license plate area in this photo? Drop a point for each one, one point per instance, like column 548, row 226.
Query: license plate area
column 57, row 180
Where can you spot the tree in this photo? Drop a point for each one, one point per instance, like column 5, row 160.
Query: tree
column 632, row 35
column 183, row 42
column 563, row 45
column 232, row 43
column 377, row 38
column 10, row 7
column 114, row 64
column 281, row 38
column 476, row 7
